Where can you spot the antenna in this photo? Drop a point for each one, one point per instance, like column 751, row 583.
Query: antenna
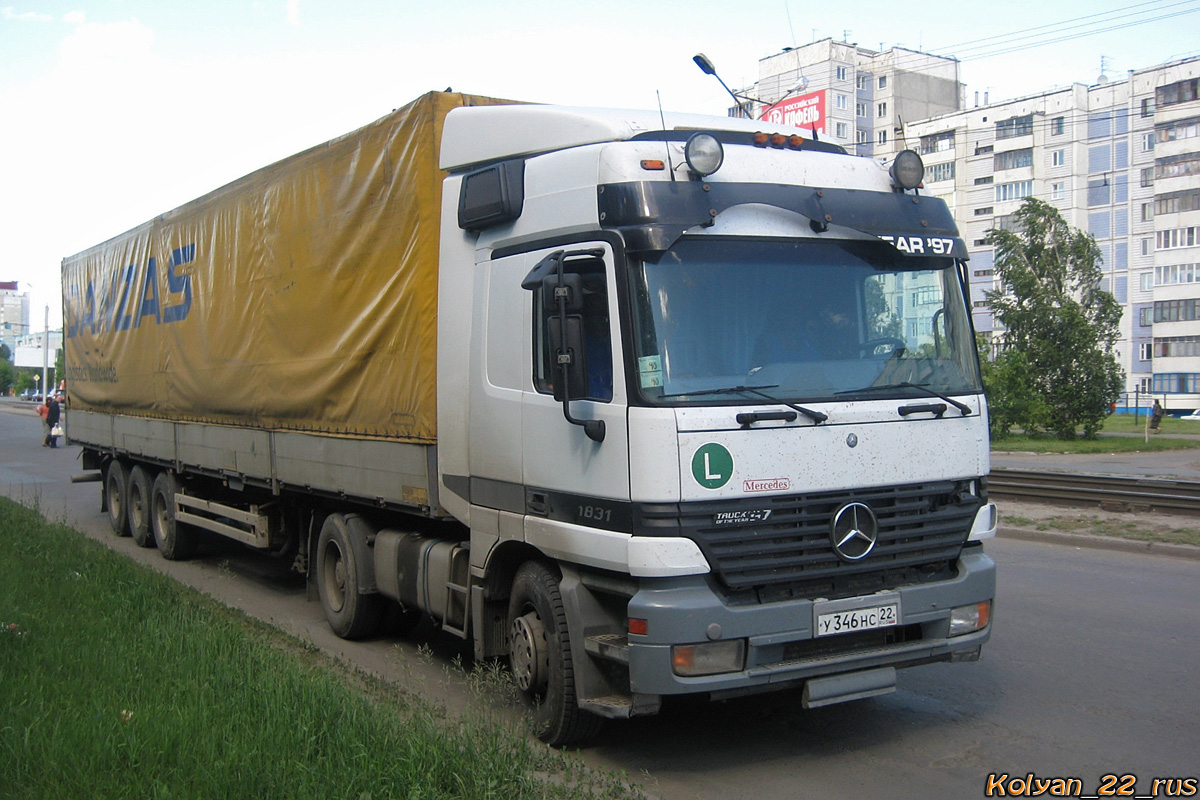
column 666, row 144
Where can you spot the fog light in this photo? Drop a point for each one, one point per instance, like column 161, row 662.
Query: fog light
column 968, row 619
column 710, row 658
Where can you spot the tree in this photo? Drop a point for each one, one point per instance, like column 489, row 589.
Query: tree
column 1061, row 326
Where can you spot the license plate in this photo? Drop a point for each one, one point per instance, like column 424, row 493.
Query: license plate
column 858, row 619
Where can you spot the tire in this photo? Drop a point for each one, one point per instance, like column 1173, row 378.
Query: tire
column 138, row 507
column 116, row 491
column 350, row 613
column 540, row 658
column 176, row 541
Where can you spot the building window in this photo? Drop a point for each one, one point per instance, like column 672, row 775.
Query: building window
column 862, row 137
column 983, row 212
column 1013, row 159
column 1145, row 351
column 1099, row 192
column 883, row 81
column 839, row 100
column 1147, row 212
column 1176, row 93
column 1057, row 125
column 1058, row 158
column 1017, row 126
column 863, row 81
column 1171, row 274
column 1177, row 382
column 1016, row 190
column 986, row 179
column 860, row 109
column 1058, row 191
column 842, row 130
column 1176, row 347
column 937, row 142
column 939, row 172
column 1146, row 316
column 1176, row 202
column 841, row 73
column 1147, row 142
column 881, row 110
column 1147, row 247
column 983, row 149
column 1177, row 166
column 984, row 273
column 1175, row 238
column 1148, row 176
column 1180, row 129
column 1147, row 281
column 1148, row 107
column 882, row 137
column 1177, row 310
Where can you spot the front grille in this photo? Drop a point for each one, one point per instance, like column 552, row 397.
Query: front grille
column 922, row 528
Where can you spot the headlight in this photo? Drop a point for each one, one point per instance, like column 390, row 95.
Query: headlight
column 704, row 154
column 908, row 170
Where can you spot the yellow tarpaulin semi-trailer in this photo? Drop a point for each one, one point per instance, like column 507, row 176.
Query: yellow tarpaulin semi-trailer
column 300, row 297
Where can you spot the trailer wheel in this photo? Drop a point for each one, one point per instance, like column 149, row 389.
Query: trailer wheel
column 176, row 541
column 351, row 614
column 116, row 490
column 540, row 657
column 139, row 506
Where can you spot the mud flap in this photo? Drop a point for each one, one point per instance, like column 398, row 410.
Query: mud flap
column 851, row 686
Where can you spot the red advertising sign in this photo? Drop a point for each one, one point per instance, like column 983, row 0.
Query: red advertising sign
column 802, row 111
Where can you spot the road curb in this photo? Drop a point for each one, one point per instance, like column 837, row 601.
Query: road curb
column 1185, row 551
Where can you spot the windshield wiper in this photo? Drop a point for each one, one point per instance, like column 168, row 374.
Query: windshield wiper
column 921, row 387
column 815, row 416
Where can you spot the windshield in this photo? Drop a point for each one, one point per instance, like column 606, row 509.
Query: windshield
column 799, row 320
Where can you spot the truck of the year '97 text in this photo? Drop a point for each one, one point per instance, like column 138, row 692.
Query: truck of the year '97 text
column 647, row 404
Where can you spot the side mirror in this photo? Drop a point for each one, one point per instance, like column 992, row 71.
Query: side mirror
column 568, row 348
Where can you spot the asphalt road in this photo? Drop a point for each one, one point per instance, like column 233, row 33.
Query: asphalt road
column 1090, row 672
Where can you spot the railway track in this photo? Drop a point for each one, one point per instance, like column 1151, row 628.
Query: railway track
column 1111, row 492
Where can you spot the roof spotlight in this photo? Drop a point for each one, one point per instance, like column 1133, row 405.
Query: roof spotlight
column 908, row 170
column 704, row 153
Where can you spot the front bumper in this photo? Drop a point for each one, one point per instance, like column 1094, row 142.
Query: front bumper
column 782, row 650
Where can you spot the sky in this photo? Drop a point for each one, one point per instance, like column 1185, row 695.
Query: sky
column 115, row 111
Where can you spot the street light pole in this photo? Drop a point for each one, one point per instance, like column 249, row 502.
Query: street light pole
column 46, row 359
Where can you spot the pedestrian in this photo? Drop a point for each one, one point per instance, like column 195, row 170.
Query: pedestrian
column 43, row 411
column 1156, row 415
column 53, row 415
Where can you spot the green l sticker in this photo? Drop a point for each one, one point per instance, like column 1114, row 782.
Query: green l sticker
column 712, row 466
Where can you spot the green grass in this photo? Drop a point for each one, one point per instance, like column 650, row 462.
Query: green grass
column 117, row 682
column 1101, row 444
column 1124, row 423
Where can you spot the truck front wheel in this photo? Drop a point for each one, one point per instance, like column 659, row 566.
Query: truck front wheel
column 350, row 613
column 539, row 654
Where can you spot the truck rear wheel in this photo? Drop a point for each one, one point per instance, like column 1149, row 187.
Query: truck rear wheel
column 139, row 505
column 175, row 540
column 540, row 657
column 351, row 614
column 116, row 492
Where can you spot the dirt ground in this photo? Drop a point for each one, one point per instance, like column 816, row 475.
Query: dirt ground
column 1135, row 525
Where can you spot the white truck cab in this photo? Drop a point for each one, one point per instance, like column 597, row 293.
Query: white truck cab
column 710, row 406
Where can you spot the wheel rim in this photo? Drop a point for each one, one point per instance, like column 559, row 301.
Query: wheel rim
column 333, row 576
column 114, row 498
column 137, row 506
column 160, row 517
column 528, row 653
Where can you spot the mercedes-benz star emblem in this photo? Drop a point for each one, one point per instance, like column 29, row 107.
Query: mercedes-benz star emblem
column 853, row 532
